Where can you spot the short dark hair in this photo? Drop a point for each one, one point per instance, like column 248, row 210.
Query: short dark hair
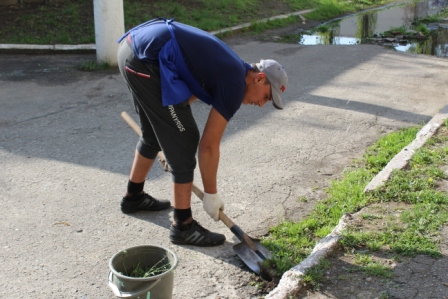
column 255, row 67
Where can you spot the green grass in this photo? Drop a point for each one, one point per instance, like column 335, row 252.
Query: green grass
column 422, row 28
column 444, row 13
column 90, row 65
column 378, row 155
column 428, row 19
column 403, row 30
column 422, row 213
column 329, row 9
column 258, row 27
column 371, row 267
column 315, row 275
column 419, row 25
column 72, row 22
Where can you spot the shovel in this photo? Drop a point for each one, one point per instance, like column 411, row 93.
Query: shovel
column 250, row 250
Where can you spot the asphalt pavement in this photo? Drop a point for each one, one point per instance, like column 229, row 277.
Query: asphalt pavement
column 65, row 157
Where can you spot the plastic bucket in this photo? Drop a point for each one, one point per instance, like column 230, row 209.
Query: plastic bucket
column 146, row 256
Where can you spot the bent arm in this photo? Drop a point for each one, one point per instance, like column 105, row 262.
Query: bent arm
column 208, row 154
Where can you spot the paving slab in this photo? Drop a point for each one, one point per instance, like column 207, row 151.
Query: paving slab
column 65, row 156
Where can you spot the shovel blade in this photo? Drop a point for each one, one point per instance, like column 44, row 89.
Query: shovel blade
column 250, row 257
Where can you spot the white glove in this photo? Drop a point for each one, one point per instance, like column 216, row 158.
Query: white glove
column 212, row 203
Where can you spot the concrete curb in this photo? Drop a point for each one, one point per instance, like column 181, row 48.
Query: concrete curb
column 91, row 48
column 46, row 49
column 291, row 281
column 402, row 158
column 239, row 27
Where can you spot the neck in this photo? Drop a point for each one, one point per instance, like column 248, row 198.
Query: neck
column 250, row 77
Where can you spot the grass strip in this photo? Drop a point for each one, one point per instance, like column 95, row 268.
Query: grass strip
column 411, row 228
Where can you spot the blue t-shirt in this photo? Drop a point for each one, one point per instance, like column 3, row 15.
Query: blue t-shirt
column 214, row 65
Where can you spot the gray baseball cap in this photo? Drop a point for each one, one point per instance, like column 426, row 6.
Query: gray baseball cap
column 276, row 75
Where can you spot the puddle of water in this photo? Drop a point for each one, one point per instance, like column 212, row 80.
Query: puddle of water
column 358, row 28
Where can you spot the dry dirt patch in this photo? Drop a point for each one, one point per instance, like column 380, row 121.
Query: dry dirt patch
column 411, row 277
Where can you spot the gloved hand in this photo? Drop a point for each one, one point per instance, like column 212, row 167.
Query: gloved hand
column 212, row 203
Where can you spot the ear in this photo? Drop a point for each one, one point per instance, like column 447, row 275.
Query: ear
column 260, row 77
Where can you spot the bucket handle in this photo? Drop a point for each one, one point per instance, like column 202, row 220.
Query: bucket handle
column 120, row 294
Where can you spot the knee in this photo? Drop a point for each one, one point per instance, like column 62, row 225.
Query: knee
column 146, row 149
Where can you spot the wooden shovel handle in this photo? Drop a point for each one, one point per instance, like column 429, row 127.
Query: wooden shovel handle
column 223, row 217
column 228, row 222
column 137, row 130
column 131, row 123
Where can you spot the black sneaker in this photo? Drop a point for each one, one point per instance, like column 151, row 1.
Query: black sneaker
column 196, row 235
column 143, row 202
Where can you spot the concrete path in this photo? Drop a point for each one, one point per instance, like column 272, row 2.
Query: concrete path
column 65, row 155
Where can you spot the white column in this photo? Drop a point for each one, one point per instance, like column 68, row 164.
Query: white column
column 109, row 26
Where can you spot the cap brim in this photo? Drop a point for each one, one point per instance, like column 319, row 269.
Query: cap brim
column 276, row 99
